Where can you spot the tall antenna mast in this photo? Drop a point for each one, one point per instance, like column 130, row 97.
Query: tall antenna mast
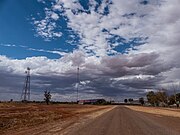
column 77, row 84
column 26, row 89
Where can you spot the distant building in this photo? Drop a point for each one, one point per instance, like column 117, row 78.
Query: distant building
column 92, row 101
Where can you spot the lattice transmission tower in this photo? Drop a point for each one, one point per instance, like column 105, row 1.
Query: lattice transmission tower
column 26, row 89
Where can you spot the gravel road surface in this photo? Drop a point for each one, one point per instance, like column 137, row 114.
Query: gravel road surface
column 124, row 121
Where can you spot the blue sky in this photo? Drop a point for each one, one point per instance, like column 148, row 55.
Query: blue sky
column 122, row 47
column 17, row 29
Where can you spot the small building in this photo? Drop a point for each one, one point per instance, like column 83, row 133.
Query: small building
column 92, row 101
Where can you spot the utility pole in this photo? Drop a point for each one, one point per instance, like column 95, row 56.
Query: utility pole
column 174, row 88
column 78, row 83
column 26, row 89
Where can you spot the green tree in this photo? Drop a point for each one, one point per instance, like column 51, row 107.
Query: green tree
column 125, row 100
column 47, row 96
column 141, row 101
column 162, row 97
column 130, row 100
column 156, row 98
column 151, row 97
column 172, row 100
column 175, row 88
column 178, row 97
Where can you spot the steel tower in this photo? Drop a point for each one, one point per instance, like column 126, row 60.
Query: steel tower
column 78, row 84
column 26, row 89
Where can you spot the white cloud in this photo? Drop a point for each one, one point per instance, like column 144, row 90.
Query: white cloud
column 158, row 20
column 125, row 19
column 54, row 16
column 8, row 45
column 61, row 53
column 140, row 76
column 47, row 27
column 89, row 25
column 145, row 67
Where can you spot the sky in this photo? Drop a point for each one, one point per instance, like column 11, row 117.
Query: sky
column 123, row 48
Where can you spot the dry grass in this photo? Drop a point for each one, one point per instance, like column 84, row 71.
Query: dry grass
column 16, row 116
column 157, row 111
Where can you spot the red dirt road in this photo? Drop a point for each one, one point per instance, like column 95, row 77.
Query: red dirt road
column 124, row 121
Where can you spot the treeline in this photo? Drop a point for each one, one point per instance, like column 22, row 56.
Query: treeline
column 131, row 101
column 161, row 98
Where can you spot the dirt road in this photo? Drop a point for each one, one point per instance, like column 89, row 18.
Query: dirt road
column 124, row 121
